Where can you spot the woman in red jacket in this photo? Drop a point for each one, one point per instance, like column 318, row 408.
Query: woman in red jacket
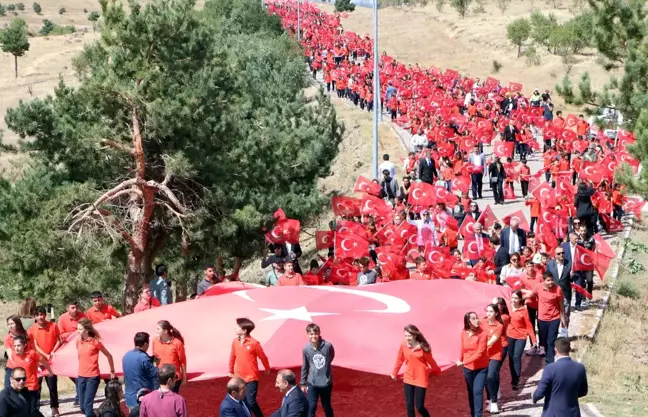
column 474, row 359
column 493, row 325
column 416, row 354
column 516, row 333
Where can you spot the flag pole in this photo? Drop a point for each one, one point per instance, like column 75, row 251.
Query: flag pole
column 376, row 75
column 299, row 20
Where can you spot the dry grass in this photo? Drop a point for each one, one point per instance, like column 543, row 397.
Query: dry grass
column 424, row 35
column 617, row 364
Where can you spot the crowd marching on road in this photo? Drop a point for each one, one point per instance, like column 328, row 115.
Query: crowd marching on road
column 432, row 220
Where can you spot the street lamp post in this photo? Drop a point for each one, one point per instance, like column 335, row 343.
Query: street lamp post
column 376, row 77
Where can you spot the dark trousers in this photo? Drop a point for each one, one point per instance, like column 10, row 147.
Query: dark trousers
column 86, row 390
column 525, row 188
column 31, row 398
column 534, row 220
column 475, row 382
column 516, row 349
column 498, row 191
column 477, row 183
column 533, row 317
column 579, row 279
column 7, row 379
column 493, row 379
column 52, row 386
column 176, row 387
column 548, row 333
column 251, row 389
column 415, row 398
column 323, row 394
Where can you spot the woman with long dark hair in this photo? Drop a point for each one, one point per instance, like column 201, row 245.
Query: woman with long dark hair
column 585, row 208
column 506, row 319
column 169, row 348
column 111, row 405
column 89, row 345
column 516, row 333
column 474, row 360
column 415, row 352
column 493, row 325
column 15, row 327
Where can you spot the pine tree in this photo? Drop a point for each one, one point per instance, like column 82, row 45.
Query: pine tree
column 518, row 32
column 14, row 40
column 344, row 6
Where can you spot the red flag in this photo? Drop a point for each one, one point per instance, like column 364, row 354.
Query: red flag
column 487, row 218
column 364, row 185
column 602, row 247
column 467, row 227
column 348, row 245
column 374, row 205
column 581, row 291
column 519, row 215
column 346, row 226
column 612, row 224
column 515, row 87
column 285, row 231
column 504, row 149
column 279, row 214
column 634, row 205
column 514, row 282
column 583, row 259
column 346, row 206
column 509, row 193
column 421, row 194
column 542, row 193
column 473, row 250
column 324, row 240
column 344, row 273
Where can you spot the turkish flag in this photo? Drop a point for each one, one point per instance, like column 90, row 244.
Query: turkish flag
column 279, row 214
column 344, row 273
column 473, row 249
column 613, row 225
column 592, row 171
column 581, row 291
column 461, row 183
column 346, row 206
column 364, row 185
column 285, row 231
column 514, row 282
column 571, row 120
column 583, row 259
column 542, row 193
column 348, row 245
column 509, row 193
column 324, row 240
column 634, row 205
column 347, row 226
column 504, row 149
column 519, row 215
column 467, row 227
column 436, row 254
column 375, row 206
column 487, row 218
column 515, row 87
column 422, row 195
column 602, row 247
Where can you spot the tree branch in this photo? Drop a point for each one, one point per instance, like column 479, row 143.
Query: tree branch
column 168, row 193
column 118, row 146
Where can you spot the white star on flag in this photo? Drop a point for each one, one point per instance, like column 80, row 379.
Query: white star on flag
column 299, row 313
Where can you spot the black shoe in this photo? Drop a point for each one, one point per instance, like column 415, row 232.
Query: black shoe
column 515, row 387
column 75, row 403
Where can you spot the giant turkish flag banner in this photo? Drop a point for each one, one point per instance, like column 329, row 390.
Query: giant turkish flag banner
column 281, row 315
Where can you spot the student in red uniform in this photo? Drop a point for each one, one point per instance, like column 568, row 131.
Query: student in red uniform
column 69, row 320
column 551, row 312
column 29, row 359
column 493, row 326
column 421, row 272
column 146, row 300
column 244, row 362
column 415, row 352
column 290, row 277
column 88, row 348
column 15, row 327
column 516, row 333
column 168, row 346
column 474, row 359
column 100, row 311
column 47, row 339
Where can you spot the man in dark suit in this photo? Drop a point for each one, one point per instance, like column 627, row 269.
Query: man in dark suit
column 560, row 270
column 562, row 384
column 501, row 255
column 294, row 403
column 14, row 399
column 234, row 404
column 513, row 238
column 427, row 171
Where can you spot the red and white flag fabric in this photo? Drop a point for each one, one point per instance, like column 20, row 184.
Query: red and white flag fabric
column 603, row 248
column 487, row 218
column 324, row 239
column 284, row 231
column 520, row 217
column 364, row 185
column 349, row 245
column 344, row 206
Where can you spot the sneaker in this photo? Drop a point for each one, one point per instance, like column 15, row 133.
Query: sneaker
column 515, row 387
column 499, row 396
column 532, row 352
column 541, row 351
column 493, row 408
column 75, row 403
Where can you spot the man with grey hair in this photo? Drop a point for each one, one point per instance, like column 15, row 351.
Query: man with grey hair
column 513, row 237
column 294, row 402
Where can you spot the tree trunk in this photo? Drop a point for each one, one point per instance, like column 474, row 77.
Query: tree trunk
column 519, row 50
column 133, row 280
column 16, row 65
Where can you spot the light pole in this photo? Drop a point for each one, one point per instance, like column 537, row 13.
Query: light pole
column 376, row 76
column 299, row 20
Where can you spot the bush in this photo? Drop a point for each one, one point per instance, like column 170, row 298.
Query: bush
column 85, row 10
column 344, row 6
column 11, row 7
column 497, row 66
column 62, row 10
column 531, row 57
column 20, row 6
column 461, row 6
column 37, row 8
column 518, row 31
column 439, row 5
column 542, row 26
column 3, row 11
column 503, row 5
column 47, row 28
column 627, row 289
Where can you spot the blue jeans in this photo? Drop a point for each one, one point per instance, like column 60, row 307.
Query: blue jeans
column 548, row 333
column 323, row 394
column 475, row 382
column 493, row 379
column 251, row 389
column 516, row 349
column 86, row 390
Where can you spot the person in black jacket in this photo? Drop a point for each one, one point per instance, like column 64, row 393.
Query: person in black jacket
column 427, row 170
column 110, row 406
column 497, row 175
column 13, row 398
column 502, row 256
column 584, row 207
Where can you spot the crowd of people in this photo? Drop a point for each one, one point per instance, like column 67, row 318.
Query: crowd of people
column 432, row 220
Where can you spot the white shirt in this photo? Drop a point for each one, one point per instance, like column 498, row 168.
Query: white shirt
column 572, row 250
column 419, row 140
column 559, row 267
column 430, row 236
column 387, row 165
column 477, row 159
column 514, row 242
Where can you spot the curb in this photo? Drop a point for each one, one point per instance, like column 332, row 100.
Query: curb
column 591, row 409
